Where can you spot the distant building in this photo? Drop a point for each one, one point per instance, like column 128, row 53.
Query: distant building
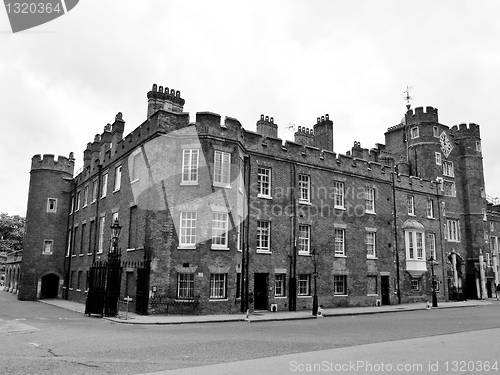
column 219, row 219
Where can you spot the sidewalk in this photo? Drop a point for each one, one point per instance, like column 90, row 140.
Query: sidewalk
column 263, row 316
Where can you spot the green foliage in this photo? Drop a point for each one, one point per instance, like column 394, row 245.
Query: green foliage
column 11, row 235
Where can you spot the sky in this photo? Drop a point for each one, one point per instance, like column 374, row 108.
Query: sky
column 63, row 81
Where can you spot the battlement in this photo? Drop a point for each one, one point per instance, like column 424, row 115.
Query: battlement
column 414, row 118
column 49, row 162
column 465, row 130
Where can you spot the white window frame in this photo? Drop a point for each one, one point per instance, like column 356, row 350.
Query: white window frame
column 280, row 285
column 304, row 188
column 185, row 285
column 100, row 244
column 51, row 247
column 371, row 241
column 190, row 163
column 453, row 230
column 431, row 239
column 492, row 226
column 430, row 209
column 118, row 178
column 104, row 187
column 415, row 245
column 263, row 236
column 448, row 169
column 187, row 226
column 485, row 216
column 78, row 200
column 219, row 230
column 414, row 132
column 134, row 170
column 339, row 195
column 95, row 190
column 449, row 188
column 415, row 284
column 370, row 200
column 304, row 239
column 304, row 285
column 70, row 241
column 438, row 157
column 411, row 205
column 52, row 207
column 218, row 286
column 340, row 285
column 339, row 242
column 222, row 169
column 264, row 181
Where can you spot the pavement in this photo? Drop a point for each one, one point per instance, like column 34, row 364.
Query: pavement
column 264, row 316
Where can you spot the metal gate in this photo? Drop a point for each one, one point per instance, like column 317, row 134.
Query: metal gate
column 104, row 287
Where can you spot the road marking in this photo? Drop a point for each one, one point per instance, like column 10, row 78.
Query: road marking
column 20, row 319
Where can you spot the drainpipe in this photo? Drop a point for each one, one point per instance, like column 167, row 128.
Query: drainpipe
column 69, row 241
column 395, row 218
column 292, row 283
column 98, row 198
column 441, row 241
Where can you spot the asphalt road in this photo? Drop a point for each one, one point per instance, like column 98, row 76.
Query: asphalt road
column 36, row 338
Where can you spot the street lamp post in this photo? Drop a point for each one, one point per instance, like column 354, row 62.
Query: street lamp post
column 432, row 261
column 315, row 276
column 115, row 233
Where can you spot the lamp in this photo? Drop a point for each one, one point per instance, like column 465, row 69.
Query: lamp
column 115, row 233
column 432, row 262
column 315, row 275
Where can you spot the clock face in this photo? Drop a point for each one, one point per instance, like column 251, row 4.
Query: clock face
column 446, row 145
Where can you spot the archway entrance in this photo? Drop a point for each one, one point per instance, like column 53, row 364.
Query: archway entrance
column 50, row 286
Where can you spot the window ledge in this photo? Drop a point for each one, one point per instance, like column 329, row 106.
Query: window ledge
column 299, row 296
column 84, row 206
column 370, row 257
column 280, row 297
column 78, row 290
column 218, row 300
column 303, row 253
column 264, row 196
column 189, row 183
column 431, row 218
column 307, row 203
column 80, row 255
column 412, row 215
column 114, row 191
column 221, row 185
column 340, row 208
column 340, row 295
column 218, row 247
column 47, row 253
column 340, row 256
column 372, row 295
column 190, row 247
column 264, row 252
column 89, row 254
column 370, row 212
column 70, row 288
column 73, row 256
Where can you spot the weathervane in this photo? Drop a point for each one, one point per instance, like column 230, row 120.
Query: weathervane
column 407, row 96
column 290, row 127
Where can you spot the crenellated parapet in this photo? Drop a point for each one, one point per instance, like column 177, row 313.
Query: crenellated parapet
column 49, row 162
column 418, row 116
column 465, row 131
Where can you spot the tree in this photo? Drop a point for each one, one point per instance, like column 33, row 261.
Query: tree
column 11, row 235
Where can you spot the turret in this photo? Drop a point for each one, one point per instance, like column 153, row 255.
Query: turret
column 44, row 243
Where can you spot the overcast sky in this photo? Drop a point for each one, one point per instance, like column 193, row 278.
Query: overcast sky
column 60, row 83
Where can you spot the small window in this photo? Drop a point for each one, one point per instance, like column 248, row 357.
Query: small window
column 52, row 205
column 104, row 187
column 430, row 209
column 85, row 196
column 264, row 181
column 338, row 188
column 48, row 247
column 370, row 245
column 453, row 230
column 411, row 205
column 478, row 146
column 218, row 286
column 370, row 200
column 438, row 158
column 95, row 186
column 435, row 131
column 485, row 218
column 415, row 284
column 185, row 285
column 304, row 287
column 118, row 178
column 304, row 188
column 279, row 284
column 431, row 238
column 263, row 233
column 414, row 132
column 448, row 169
column 304, row 239
column 339, row 242
column 78, row 200
column 449, row 188
column 190, row 159
column 340, row 284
